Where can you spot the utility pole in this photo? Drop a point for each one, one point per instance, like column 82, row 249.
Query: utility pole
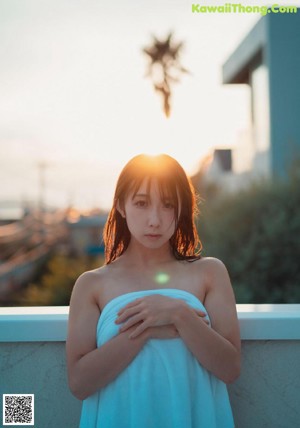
column 42, row 165
column 42, row 185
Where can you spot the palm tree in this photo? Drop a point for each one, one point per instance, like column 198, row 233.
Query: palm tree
column 164, row 67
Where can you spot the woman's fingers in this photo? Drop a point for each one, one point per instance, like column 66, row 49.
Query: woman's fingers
column 133, row 320
column 163, row 332
column 129, row 305
column 200, row 313
column 138, row 330
column 203, row 315
column 126, row 313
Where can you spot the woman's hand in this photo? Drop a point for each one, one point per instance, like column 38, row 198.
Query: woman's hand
column 159, row 332
column 150, row 311
column 162, row 332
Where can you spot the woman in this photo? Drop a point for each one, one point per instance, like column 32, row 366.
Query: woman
column 153, row 336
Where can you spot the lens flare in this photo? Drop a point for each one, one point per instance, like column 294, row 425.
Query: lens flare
column 162, row 278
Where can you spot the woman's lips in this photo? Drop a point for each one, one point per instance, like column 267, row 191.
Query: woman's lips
column 153, row 235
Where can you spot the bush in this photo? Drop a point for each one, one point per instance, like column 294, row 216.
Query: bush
column 256, row 234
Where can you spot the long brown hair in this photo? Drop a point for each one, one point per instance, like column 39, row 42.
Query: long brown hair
column 174, row 183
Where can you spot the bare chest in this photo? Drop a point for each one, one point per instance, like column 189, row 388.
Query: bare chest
column 117, row 285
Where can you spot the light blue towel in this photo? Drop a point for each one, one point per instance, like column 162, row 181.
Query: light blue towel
column 163, row 387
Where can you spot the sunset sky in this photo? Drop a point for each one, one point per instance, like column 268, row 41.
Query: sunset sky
column 74, row 95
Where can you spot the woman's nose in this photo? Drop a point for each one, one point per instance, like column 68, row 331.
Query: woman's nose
column 154, row 218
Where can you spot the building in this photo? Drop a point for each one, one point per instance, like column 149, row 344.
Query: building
column 268, row 60
column 86, row 233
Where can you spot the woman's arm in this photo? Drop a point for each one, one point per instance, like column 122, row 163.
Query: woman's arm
column 99, row 367
column 91, row 368
column 217, row 348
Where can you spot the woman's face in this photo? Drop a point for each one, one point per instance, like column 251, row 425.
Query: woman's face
column 150, row 220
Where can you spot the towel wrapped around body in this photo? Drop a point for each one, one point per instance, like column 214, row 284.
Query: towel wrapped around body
column 164, row 386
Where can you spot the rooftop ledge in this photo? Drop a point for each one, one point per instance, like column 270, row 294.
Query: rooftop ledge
column 49, row 323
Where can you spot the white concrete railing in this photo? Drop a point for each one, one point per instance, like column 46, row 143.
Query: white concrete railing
column 33, row 361
column 49, row 323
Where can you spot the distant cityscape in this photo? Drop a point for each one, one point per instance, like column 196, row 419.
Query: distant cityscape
column 29, row 236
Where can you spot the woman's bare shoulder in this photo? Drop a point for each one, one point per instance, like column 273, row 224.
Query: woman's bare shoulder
column 210, row 264
column 95, row 274
column 211, row 268
column 98, row 284
column 90, row 279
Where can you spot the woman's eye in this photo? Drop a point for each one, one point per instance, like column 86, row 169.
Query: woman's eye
column 168, row 205
column 140, row 203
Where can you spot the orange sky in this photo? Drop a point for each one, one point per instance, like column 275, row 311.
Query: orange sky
column 74, row 94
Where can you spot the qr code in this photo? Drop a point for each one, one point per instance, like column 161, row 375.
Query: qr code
column 18, row 409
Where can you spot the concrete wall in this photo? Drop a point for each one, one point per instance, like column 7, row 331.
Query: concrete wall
column 39, row 368
column 267, row 393
column 265, row 396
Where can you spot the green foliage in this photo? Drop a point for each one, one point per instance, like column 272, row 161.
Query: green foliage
column 256, row 233
column 56, row 283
